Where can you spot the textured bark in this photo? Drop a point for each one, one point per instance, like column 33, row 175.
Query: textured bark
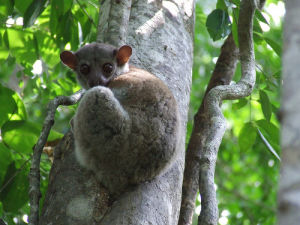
column 289, row 185
column 216, row 121
column 161, row 34
column 34, row 175
column 222, row 75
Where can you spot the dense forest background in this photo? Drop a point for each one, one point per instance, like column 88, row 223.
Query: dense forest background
column 34, row 32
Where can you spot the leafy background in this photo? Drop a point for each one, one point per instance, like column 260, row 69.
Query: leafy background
column 34, row 32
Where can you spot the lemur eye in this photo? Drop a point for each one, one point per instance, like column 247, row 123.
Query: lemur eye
column 107, row 68
column 85, row 69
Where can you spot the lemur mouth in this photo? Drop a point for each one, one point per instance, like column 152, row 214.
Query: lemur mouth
column 99, row 82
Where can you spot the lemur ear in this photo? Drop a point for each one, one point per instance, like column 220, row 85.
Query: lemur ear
column 123, row 54
column 69, row 58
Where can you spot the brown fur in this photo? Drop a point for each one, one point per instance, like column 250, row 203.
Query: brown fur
column 129, row 134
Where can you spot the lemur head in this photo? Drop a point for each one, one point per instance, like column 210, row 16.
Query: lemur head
column 97, row 63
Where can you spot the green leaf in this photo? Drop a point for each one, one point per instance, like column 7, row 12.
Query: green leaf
column 270, row 132
column 261, row 17
column 221, row 5
column 33, row 11
column 6, row 7
column 5, row 160
column 236, row 2
column 22, row 5
column 268, row 145
column 8, row 106
column 22, row 114
column 57, row 10
column 67, row 5
column 7, row 68
column 3, row 49
column 15, row 193
column 20, row 135
column 258, row 38
column 48, row 49
column 274, row 45
column 247, row 137
column 218, row 24
column 265, row 104
column 54, row 135
column 23, row 135
column 1, row 209
column 256, row 26
column 22, row 46
column 241, row 103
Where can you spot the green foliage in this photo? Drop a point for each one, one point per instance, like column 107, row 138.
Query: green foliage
column 15, row 193
column 247, row 171
column 34, row 32
column 247, row 137
column 218, row 24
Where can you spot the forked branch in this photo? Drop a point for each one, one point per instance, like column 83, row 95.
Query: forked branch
column 216, row 121
column 210, row 124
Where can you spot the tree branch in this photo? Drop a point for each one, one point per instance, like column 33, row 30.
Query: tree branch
column 114, row 29
column 222, row 75
column 34, row 174
column 216, row 120
column 209, row 125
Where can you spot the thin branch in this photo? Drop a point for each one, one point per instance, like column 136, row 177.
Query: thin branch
column 217, row 122
column 34, row 174
column 114, row 29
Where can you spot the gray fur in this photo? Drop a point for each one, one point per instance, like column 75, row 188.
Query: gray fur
column 126, row 133
column 95, row 55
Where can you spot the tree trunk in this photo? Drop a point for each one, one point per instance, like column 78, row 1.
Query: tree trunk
column 161, row 35
column 289, row 185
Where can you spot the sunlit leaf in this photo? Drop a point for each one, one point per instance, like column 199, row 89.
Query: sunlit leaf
column 48, row 49
column 3, row 49
column 22, row 114
column 8, row 106
column 20, row 135
column 23, row 135
column 22, row 46
column 261, row 17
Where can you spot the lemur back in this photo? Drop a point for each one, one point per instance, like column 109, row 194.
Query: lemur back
column 127, row 132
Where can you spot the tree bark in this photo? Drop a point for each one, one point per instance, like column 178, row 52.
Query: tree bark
column 161, row 35
column 222, row 75
column 289, row 185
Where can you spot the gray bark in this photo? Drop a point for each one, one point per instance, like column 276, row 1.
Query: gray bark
column 289, row 185
column 161, row 34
